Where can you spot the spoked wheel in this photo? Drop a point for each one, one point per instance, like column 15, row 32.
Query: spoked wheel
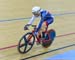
column 26, row 43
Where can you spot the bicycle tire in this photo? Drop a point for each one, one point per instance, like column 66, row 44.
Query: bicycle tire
column 26, row 43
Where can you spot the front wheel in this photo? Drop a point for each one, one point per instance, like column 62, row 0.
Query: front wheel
column 26, row 43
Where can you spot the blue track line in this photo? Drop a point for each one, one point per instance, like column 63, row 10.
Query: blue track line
column 48, row 51
column 17, row 19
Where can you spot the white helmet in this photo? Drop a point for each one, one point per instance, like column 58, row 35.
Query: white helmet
column 36, row 9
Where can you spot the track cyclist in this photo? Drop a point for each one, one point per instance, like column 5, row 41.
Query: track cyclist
column 46, row 19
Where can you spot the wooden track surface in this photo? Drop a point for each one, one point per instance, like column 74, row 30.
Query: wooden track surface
column 11, row 31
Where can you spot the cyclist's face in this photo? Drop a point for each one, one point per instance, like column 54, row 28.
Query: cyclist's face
column 36, row 14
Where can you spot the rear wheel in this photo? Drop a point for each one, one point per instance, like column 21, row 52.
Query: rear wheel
column 51, row 34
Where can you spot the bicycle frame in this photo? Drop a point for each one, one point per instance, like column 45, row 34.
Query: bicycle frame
column 28, row 39
column 30, row 36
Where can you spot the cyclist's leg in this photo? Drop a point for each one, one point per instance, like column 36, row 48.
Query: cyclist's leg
column 45, row 26
column 38, row 38
column 44, row 29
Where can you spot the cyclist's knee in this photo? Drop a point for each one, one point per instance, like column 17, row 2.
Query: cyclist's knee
column 44, row 26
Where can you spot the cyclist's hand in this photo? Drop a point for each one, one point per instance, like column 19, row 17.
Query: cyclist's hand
column 26, row 27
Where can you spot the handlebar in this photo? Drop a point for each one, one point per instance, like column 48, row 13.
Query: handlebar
column 34, row 26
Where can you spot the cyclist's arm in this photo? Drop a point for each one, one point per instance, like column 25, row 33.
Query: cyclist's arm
column 31, row 20
column 39, row 26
